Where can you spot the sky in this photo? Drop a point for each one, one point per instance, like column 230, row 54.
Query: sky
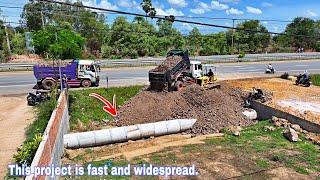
column 184, row 9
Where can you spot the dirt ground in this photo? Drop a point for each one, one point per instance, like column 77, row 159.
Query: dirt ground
column 215, row 161
column 214, row 109
column 301, row 101
column 133, row 149
column 33, row 58
column 15, row 115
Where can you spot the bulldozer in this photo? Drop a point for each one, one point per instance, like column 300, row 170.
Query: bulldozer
column 205, row 74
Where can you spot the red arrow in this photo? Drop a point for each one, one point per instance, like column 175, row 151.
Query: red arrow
column 109, row 108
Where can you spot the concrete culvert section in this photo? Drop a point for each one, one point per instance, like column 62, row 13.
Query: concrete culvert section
column 122, row 134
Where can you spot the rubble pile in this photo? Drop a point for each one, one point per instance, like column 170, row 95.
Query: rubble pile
column 215, row 109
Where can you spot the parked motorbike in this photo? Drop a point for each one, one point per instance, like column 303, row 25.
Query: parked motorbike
column 304, row 82
column 37, row 98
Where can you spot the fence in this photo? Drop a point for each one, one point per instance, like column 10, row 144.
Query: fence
column 205, row 59
column 51, row 147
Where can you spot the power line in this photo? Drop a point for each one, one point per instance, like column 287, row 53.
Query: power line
column 176, row 20
column 237, row 19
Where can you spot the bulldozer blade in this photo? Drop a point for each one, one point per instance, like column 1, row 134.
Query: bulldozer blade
column 214, row 86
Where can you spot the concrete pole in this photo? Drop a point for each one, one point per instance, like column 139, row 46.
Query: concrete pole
column 232, row 46
column 8, row 40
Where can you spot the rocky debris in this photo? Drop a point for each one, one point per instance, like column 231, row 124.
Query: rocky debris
column 214, row 109
column 315, row 138
column 296, row 127
column 279, row 122
column 269, row 128
column 284, row 75
column 235, row 130
column 169, row 63
column 291, row 135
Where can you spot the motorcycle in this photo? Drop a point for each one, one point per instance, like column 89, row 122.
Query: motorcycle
column 270, row 71
column 304, row 82
column 37, row 98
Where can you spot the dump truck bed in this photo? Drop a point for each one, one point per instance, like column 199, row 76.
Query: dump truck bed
column 175, row 63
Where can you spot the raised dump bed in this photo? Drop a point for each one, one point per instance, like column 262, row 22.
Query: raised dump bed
column 166, row 74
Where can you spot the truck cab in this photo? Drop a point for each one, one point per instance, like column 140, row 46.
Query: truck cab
column 88, row 71
column 196, row 69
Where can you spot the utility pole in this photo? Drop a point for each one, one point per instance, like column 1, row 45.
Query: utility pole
column 7, row 35
column 42, row 19
column 232, row 36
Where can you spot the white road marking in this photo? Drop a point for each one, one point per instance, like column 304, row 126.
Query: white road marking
column 301, row 65
column 18, row 85
column 250, row 70
column 233, row 66
column 247, row 67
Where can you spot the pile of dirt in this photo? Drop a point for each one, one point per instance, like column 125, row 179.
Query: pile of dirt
column 214, row 109
column 169, row 63
column 30, row 58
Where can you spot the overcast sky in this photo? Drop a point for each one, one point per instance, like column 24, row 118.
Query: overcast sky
column 256, row 9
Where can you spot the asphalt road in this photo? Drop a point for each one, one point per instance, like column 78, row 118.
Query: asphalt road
column 22, row 82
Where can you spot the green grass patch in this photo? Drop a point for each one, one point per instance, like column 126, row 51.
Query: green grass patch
column 263, row 163
column 315, row 78
column 255, row 150
column 273, row 147
column 85, row 108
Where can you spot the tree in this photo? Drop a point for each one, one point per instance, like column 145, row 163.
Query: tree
column 253, row 38
column 301, row 33
column 59, row 42
column 18, row 44
column 194, row 41
column 33, row 15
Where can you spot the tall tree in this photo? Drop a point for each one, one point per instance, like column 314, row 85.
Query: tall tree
column 254, row 37
column 302, row 32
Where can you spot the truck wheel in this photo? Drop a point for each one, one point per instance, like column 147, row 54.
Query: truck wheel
column 85, row 83
column 178, row 85
column 48, row 84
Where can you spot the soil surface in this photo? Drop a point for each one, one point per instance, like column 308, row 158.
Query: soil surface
column 214, row 109
column 305, row 99
column 15, row 115
column 169, row 63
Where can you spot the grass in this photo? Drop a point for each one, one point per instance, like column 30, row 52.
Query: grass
column 253, row 153
column 86, row 109
column 43, row 114
column 315, row 79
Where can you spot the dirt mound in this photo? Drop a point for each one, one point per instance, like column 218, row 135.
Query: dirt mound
column 214, row 109
column 169, row 63
column 31, row 58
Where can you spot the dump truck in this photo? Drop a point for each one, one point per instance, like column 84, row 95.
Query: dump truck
column 78, row 73
column 177, row 71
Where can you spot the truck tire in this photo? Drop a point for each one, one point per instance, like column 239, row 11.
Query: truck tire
column 48, row 84
column 86, row 83
column 178, row 85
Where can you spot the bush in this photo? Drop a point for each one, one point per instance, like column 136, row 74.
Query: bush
column 106, row 51
column 241, row 55
column 19, row 44
column 318, row 46
column 27, row 151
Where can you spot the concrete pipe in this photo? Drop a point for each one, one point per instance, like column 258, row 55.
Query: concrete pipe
column 122, row 134
column 250, row 114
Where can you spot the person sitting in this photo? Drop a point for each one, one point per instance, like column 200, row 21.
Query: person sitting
column 210, row 73
column 305, row 77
